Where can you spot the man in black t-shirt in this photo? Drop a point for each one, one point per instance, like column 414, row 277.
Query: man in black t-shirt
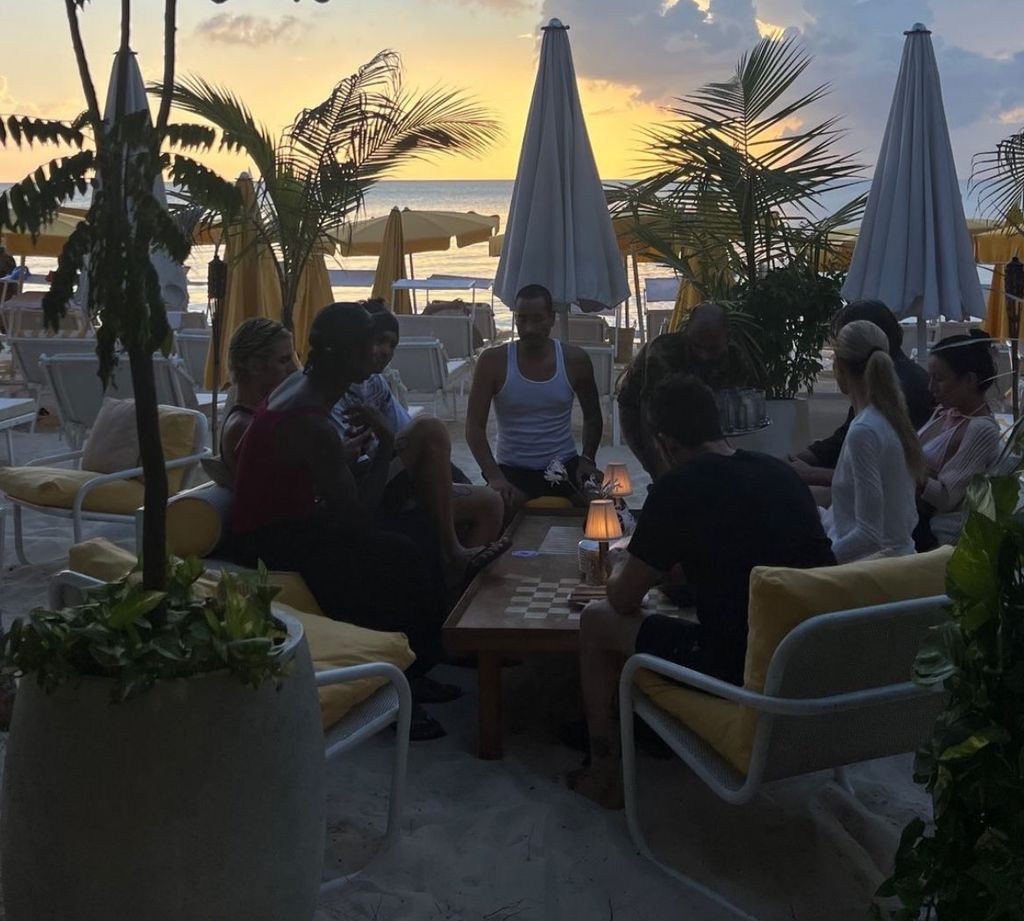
column 716, row 513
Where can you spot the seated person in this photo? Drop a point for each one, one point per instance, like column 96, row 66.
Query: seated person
column 717, row 513
column 816, row 463
column 532, row 384
column 700, row 348
column 422, row 468
column 960, row 440
column 260, row 356
column 872, row 506
column 298, row 506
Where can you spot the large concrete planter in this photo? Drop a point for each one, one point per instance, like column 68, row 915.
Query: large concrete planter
column 788, row 434
column 202, row 799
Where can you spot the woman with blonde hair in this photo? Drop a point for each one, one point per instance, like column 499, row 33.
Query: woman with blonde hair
column 873, row 510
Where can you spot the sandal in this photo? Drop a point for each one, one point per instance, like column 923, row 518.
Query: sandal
column 428, row 691
column 485, row 557
column 424, row 727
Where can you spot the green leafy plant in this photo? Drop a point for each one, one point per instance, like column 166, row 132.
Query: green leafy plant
column 998, row 177
column 968, row 865
column 313, row 177
column 794, row 310
column 138, row 637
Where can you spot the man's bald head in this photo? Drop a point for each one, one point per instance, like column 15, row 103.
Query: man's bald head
column 707, row 338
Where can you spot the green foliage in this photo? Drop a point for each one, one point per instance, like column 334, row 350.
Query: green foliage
column 138, row 637
column 312, row 179
column 793, row 310
column 969, row 865
column 998, row 177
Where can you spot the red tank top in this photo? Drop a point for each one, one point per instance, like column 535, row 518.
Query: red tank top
column 269, row 490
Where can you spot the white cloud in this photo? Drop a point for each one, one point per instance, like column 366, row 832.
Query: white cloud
column 246, row 29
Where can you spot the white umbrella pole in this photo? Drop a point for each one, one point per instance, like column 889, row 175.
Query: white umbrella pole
column 412, row 291
column 922, row 340
column 563, row 321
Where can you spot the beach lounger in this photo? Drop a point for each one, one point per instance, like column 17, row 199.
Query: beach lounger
column 603, row 359
column 455, row 333
column 193, row 347
column 427, row 371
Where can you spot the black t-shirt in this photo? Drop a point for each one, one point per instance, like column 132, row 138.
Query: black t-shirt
column 718, row 517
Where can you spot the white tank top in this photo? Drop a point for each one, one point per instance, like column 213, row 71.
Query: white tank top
column 534, row 417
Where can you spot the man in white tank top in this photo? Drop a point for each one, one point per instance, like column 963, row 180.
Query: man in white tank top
column 532, row 383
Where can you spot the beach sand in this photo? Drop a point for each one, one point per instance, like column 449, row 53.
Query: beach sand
column 503, row 840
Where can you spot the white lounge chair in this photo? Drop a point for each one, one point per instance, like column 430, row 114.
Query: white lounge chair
column 584, row 330
column 27, row 350
column 657, row 322
column 455, row 333
column 426, row 370
column 193, row 347
column 838, row 691
column 603, row 359
column 390, row 704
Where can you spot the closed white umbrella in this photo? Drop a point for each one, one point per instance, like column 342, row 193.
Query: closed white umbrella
column 559, row 232
column 173, row 283
column 914, row 251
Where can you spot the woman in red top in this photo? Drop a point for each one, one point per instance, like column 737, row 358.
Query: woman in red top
column 298, row 507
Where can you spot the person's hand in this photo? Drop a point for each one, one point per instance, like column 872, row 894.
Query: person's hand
column 805, row 471
column 585, row 469
column 510, row 495
column 367, row 417
column 354, row 445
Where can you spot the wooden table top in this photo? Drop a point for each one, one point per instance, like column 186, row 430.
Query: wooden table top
column 516, row 604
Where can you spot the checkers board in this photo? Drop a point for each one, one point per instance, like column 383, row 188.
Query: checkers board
column 534, row 598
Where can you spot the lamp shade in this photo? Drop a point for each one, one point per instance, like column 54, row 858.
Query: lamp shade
column 616, row 477
column 602, row 521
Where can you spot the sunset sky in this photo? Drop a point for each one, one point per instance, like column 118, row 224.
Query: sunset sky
column 631, row 56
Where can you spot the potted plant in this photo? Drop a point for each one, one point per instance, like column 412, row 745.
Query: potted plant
column 732, row 201
column 125, row 797
column 165, row 758
column 968, row 862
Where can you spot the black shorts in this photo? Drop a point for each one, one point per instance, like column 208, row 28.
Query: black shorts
column 533, row 484
column 686, row 644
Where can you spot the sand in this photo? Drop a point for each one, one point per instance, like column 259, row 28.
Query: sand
column 503, row 840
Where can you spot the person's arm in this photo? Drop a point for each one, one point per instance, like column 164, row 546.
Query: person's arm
column 581, row 370
column 631, row 580
column 865, row 537
column 478, row 409
column 978, row 449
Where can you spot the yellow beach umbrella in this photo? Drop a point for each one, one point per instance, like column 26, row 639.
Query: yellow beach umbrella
column 313, row 295
column 253, row 287
column 997, row 247
column 52, row 236
column 391, row 266
column 422, row 232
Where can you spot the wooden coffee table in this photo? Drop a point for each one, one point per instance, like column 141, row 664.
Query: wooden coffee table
column 517, row 606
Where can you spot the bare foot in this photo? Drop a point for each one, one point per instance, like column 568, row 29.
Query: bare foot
column 603, row 787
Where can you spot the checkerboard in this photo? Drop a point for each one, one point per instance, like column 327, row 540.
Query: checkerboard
column 538, row 599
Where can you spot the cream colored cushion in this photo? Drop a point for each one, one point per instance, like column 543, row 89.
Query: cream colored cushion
column 332, row 643
column 780, row 600
column 113, row 443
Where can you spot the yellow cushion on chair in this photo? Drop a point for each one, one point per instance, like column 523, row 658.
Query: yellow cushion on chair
column 56, row 487
column 780, row 600
column 332, row 643
column 193, row 527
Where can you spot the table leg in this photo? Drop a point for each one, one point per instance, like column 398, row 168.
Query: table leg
column 489, row 679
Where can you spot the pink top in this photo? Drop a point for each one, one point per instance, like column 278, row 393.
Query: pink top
column 956, row 447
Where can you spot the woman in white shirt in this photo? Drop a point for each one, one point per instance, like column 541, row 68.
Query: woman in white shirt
column 961, row 439
column 874, row 510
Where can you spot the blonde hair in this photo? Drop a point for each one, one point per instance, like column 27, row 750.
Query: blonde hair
column 863, row 349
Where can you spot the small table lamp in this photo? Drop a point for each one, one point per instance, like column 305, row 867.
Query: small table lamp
column 616, row 477
column 602, row 525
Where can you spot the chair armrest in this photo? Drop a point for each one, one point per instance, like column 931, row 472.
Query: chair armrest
column 53, row 459
column 779, row 706
column 102, row 478
column 349, row 673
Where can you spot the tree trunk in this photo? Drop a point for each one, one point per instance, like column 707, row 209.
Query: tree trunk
column 147, row 422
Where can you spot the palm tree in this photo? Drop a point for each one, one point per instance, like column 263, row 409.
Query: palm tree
column 998, row 176
column 120, row 159
column 313, row 177
column 736, row 178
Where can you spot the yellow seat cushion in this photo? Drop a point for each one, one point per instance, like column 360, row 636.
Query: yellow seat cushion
column 56, row 487
column 332, row 643
column 780, row 600
column 554, row 502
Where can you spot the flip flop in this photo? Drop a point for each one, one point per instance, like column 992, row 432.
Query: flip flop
column 485, row 557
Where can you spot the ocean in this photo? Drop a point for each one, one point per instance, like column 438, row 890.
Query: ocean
column 481, row 196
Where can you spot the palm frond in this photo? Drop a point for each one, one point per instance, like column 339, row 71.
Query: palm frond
column 25, row 130
column 998, row 177
column 29, row 205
